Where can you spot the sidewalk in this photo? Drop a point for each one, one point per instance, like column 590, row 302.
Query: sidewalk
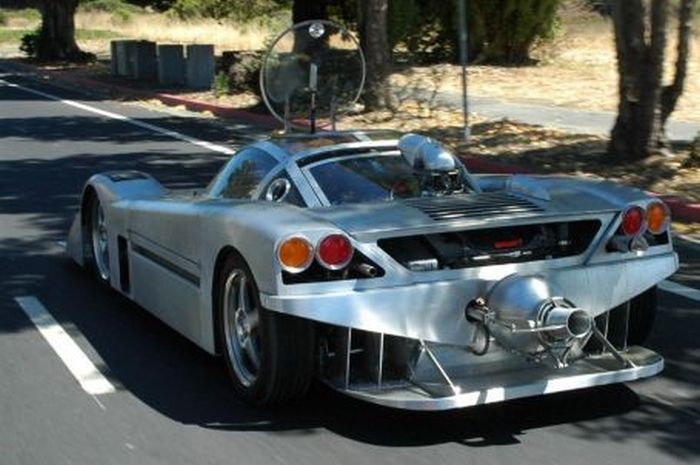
column 568, row 119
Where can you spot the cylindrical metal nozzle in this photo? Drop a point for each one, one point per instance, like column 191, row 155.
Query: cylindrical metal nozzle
column 568, row 322
column 366, row 269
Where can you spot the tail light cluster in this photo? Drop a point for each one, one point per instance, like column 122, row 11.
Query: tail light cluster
column 333, row 252
column 636, row 221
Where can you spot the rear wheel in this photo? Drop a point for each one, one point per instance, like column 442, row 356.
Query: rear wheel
column 642, row 316
column 269, row 356
column 96, row 230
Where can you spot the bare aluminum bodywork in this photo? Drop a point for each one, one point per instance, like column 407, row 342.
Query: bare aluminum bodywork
column 164, row 246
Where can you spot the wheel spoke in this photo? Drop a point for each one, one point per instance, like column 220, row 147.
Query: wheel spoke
column 252, row 353
column 100, row 245
column 241, row 321
column 243, row 294
column 253, row 320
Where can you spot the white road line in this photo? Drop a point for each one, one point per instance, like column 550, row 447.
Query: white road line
column 126, row 119
column 87, row 374
column 687, row 238
column 679, row 289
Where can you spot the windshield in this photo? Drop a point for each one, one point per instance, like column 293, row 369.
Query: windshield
column 366, row 179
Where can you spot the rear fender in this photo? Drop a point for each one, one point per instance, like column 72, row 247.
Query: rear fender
column 109, row 187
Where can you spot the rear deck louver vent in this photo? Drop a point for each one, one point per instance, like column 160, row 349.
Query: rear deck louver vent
column 472, row 206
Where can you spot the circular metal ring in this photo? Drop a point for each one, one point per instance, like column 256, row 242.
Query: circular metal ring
column 242, row 327
column 100, row 240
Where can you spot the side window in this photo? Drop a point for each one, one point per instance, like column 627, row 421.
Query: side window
column 245, row 172
column 293, row 197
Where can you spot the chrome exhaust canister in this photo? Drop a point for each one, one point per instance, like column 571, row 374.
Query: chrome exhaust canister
column 529, row 316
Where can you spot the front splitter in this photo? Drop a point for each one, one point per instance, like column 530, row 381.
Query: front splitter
column 537, row 380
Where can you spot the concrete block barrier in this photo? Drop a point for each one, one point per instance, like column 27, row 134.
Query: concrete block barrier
column 200, row 66
column 144, row 61
column 171, row 65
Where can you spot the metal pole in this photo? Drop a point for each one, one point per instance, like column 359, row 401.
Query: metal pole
column 463, row 58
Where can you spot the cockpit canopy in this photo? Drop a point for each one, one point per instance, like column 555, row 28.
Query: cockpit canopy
column 341, row 168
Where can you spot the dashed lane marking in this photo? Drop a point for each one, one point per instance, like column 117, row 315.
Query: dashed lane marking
column 126, row 119
column 80, row 366
column 680, row 289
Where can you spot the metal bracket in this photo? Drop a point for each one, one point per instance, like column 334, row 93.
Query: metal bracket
column 613, row 350
column 431, row 356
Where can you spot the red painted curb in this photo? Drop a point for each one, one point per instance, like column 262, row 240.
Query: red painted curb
column 165, row 98
column 681, row 209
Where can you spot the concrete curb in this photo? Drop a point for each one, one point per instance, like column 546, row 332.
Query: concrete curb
column 682, row 209
column 165, row 98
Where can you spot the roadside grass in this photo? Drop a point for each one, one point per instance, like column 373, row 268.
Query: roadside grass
column 162, row 28
column 15, row 35
column 22, row 18
column 96, row 28
column 165, row 28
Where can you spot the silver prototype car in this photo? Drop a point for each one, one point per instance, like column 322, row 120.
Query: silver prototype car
column 377, row 263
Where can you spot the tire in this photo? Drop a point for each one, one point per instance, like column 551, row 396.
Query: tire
column 642, row 316
column 268, row 355
column 97, row 239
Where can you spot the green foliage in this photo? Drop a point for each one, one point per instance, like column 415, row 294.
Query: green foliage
column 243, row 70
column 239, row 10
column 27, row 14
column 3, row 18
column 118, row 8
column 500, row 31
column 403, row 18
column 28, row 39
column 11, row 36
column 157, row 5
column 220, row 86
column 29, row 44
column 515, row 27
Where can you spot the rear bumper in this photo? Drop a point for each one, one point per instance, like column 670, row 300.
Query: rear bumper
column 526, row 382
column 434, row 310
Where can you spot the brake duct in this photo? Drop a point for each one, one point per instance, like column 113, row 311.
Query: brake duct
column 524, row 314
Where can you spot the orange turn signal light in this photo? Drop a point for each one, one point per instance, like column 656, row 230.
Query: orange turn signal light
column 658, row 217
column 295, row 254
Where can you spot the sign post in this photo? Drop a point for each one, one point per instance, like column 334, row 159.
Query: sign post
column 463, row 58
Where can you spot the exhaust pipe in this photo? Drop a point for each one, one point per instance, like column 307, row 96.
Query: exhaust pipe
column 567, row 323
column 366, row 269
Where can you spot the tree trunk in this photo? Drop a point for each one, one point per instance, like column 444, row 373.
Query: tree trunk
column 375, row 44
column 671, row 93
column 637, row 131
column 305, row 10
column 57, row 36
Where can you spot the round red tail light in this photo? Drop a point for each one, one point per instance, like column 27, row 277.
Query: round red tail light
column 334, row 251
column 633, row 221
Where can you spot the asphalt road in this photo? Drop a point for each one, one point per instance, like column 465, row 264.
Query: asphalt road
column 173, row 404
